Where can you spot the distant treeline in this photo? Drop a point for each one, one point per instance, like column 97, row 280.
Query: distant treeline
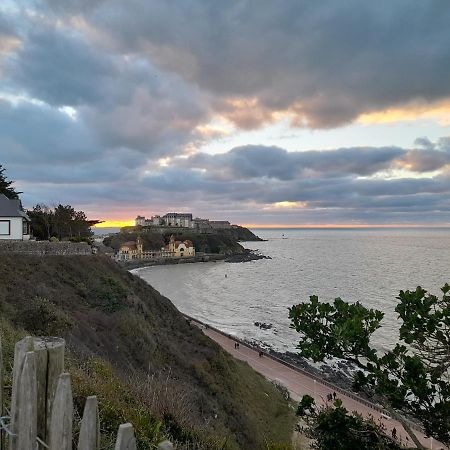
column 62, row 222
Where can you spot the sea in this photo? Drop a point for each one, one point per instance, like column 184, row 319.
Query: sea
column 370, row 266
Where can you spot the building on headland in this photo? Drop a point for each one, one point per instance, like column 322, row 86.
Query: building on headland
column 14, row 222
column 172, row 219
column 177, row 220
column 220, row 224
column 140, row 221
column 133, row 250
column 183, row 220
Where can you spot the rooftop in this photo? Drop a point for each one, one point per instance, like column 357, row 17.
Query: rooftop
column 11, row 208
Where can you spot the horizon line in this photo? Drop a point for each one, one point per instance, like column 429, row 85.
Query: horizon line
column 124, row 223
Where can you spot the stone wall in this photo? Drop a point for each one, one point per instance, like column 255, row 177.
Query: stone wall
column 42, row 248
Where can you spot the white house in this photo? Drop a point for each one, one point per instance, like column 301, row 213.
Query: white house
column 14, row 222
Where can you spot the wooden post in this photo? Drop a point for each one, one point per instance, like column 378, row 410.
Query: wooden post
column 1, row 392
column 49, row 364
column 60, row 434
column 20, row 350
column 125, row 438
column 166, row 445
column 90, row 426
column 26, row 425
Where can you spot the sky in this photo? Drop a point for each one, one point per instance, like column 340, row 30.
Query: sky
column 287, row 112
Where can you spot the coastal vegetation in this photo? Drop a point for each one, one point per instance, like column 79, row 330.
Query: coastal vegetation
column 332, row 427
column 220, row 242
column 148, row 365
column 61, row 222
column 413, row 377
column 6, row 187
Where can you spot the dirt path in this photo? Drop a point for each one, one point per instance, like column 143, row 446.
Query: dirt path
column 300, row 384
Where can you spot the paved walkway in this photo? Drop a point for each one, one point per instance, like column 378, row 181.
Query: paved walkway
column 300, row 384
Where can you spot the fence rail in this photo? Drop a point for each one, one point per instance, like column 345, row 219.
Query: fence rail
column 309, row 374
column 41, row 411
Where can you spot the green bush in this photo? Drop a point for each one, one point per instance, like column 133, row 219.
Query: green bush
column 41, row 317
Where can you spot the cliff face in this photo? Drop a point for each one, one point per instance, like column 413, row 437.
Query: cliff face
column 130, row 345
column 241, row 234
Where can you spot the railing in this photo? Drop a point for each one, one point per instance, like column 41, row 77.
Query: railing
column 41, row 412
column 309, row 374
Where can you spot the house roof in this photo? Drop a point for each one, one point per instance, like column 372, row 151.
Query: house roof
column 130, row 245
column 11, row 208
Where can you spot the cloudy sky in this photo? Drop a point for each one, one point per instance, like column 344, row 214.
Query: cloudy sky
column 263, row 112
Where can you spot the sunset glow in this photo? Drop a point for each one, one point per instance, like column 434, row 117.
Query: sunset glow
column 115, row 224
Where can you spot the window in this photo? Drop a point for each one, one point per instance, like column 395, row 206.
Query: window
column 5, row 227
column 25, row 228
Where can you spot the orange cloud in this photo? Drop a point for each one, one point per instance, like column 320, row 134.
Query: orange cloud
column 8, row 44
column 439, row 111
column 247, row 113
column 286, row 205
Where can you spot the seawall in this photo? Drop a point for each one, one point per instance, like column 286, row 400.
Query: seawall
column 44, row 248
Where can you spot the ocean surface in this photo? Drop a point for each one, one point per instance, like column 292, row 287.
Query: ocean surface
column 366, row 265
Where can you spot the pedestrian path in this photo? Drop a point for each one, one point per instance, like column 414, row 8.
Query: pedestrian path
column 299, row 384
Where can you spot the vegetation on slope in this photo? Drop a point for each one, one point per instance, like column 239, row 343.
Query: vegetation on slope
column 413, row 377
column 130, row 346
column 208, row 243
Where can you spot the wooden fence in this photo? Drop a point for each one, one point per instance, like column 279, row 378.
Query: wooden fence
column 41, row 411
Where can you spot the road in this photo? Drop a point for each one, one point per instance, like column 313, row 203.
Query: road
column 300, row 384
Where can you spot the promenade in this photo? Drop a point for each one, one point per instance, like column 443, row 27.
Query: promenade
column 298, row 383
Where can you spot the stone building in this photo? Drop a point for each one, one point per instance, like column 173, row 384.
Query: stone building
column 133, row 250
column 177, row 220
column 179, row 249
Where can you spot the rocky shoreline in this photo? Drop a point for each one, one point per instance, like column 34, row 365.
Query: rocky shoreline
column 246, row 256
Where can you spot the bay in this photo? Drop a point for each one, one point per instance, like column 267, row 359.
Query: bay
column 366, row 265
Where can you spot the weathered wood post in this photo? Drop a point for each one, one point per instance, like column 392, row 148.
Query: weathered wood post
column 90, row 426
column 60, row 435
column 166, row 445
column 1, row 393
column 125, row 438
column 26, row 424
column 20, row 350
column 49, row 364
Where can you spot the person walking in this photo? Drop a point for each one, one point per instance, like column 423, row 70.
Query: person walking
column 394, row 433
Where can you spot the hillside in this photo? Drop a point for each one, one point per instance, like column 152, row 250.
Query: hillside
column 241, row 234
column 129, row 345
column 221, row 243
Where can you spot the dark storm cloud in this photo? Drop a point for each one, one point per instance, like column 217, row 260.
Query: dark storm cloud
column 255, row 161
column 329, row 61
column 31, row 133
column 124, row 100
column 61, row 69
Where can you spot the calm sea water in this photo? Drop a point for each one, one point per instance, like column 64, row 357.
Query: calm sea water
column 370, row 266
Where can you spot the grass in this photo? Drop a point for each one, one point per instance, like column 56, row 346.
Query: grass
column 130, row 346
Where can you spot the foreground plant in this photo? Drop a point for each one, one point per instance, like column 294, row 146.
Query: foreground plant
column 331, row 427
column 413, row 377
